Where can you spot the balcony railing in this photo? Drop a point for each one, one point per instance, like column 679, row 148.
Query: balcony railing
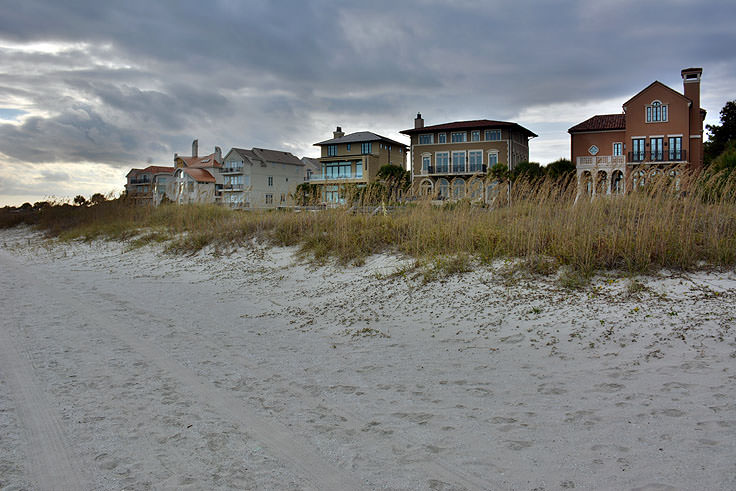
column 601, row 160
column 445, row 169
column 232, row 187
column 334, row 178
column 232, row 170
column 658, row 156
column 144, row 180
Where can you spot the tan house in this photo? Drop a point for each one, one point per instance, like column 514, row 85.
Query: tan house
column 354, row 159
column 452, row 160
column 142, row 183
column 658, row 129
column 260, row 178
column 195, row 179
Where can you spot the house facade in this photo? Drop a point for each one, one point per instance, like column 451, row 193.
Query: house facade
column 658, row 129
column 355, row 159
column 260, row 178
column 141, row 185
column 452, row 160
column 195, row 179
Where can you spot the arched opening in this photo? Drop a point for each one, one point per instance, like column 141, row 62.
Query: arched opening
column 617, row 182
column 639, row 179
column 458, row 188
column 426, row 187
column 475, row 190
column 586, row 182
column 443, row 188
column 492, row 190
column 601, row 182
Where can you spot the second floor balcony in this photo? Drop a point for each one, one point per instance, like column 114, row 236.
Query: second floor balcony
column 657, row 156
column 232, row 187
column 139, row 180
column 340, row 177
column 453, row 169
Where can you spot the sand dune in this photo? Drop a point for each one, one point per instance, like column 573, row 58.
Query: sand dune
column 250, row 370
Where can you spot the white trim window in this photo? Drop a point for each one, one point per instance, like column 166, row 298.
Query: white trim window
column 442, row 162
column 492, row 158
column 618, row 149
column 656, row 112
column 475, row 160
column 441, row 137
column 427, row 139
column 459, row 137
column 426, row 163
column 458, row 161
column 475, row 136
column 493, row 135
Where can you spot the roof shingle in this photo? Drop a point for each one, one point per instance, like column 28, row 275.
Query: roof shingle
column 601, row 122
column 466, row 125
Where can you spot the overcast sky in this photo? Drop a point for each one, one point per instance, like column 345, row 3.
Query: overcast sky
column 91, row 88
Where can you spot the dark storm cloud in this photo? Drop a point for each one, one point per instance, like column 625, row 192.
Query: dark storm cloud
column 137, row 80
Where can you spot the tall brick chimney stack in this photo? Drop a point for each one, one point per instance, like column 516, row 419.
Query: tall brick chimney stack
column 195, row 148
column 418, row 121
column 691, row 90
column 338, row 133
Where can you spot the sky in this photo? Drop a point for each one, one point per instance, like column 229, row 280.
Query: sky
column 92, row 88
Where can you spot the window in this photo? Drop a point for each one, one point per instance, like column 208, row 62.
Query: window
column 441, row 160
column 425, row 139
column 331, row 150
column 458, row 161
column 493, row 135
column 656, row 112
column 442, row 138
column 426, row 162
column 675, row 147
column 338, row 170
column 637, row 154
column 347, row 147
column 365, row 148
column 656, row 148
column 331, row 194
column 492, row 158
column 270, row 180
column 443, row 188
column 475, row 160
column 617, row 149
column 269, row 199
column 459, row 137
column 359, row 169
column 475, row 136
column 283, row 197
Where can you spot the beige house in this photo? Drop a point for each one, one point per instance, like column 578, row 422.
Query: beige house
column 142, row 184
column 260, row 178
column 658, row 129
column 354, row 159
column 452, row 160
column 195, row 179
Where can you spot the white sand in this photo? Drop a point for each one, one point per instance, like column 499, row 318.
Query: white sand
column 137, row 370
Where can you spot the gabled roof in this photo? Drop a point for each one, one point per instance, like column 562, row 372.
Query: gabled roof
column 133, row 172
column 204, row 161
column 277, row 156
column 199, row 174
column 601, row 122
column 466, row 125
column 359, row 137
column 656, row 82
column 312, row 163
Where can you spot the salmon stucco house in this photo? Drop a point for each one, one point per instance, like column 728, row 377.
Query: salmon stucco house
column 658, row 130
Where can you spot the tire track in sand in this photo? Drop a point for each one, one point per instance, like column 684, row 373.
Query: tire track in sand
column 56, row 465
column 52, row 463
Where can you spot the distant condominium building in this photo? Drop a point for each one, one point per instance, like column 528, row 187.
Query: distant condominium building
column 141, row 185
column 260, row 178
column 658, row 129
column 452, row 160
column 354, row 158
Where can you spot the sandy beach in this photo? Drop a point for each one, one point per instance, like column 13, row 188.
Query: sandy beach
column 252, row 369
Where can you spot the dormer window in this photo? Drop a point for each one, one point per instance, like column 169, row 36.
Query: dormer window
column 656, row 112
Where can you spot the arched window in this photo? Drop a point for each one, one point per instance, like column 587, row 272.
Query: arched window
column 426, row 187
column 639, row 179
column 458, row 188
column 475, row 189
column 601, row 182
column 586, row 181
column 443, row 188
column 617, row 182
column 656, row 112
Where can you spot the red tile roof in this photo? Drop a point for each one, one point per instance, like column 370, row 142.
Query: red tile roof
column 199, row 174
column 204, row 161
column 463, row 125
column 601, row 122
column 158, row 169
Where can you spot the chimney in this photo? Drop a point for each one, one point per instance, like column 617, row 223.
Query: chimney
column 218, row 154
column 338, row 133
column 418, row 121
column 691, row 90
column 195, row 148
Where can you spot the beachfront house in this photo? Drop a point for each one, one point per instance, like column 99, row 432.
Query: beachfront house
column 658, row 130
column 452, row 160
column 260, row 178
column 142, row 185
column 353, row 159
column 196, row 179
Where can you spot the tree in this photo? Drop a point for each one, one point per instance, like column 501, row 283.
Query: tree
column 527, row 170
column 720, row 135
column 395, row 179
column 499, row 172
column 97, row 198
column 560, row 168
column 80, row 200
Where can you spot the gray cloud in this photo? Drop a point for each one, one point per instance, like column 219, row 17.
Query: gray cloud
column 140, row 79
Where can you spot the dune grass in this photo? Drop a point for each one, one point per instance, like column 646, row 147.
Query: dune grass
column 677, row 225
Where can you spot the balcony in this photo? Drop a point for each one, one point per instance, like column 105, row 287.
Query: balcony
column 143, row 180
column 232, row 187
column 337, row 178
column 433, row 170
column 657, row 157
column 601, row 161
column 231, row 170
